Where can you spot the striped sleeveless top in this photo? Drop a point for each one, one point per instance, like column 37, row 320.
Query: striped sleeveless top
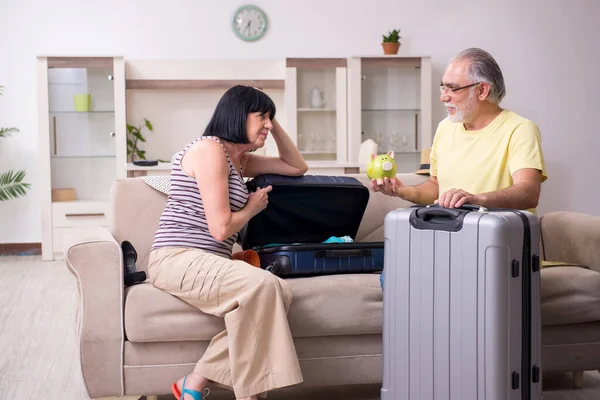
column 183, row 221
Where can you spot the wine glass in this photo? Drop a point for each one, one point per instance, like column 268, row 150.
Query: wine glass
column 331, row 142
column 393, row 142
column 405, row 143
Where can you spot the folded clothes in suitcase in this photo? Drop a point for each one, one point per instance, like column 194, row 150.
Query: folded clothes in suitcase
column 461, row 305
column 303, row 213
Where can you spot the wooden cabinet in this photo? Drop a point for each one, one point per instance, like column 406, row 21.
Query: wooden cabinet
column 81, row 105
column 389, row 102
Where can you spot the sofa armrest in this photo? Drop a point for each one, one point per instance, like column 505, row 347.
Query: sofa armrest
column 95, row 258
column 571, row 237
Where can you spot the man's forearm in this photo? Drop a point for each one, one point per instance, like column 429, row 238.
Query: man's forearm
column 520, row 197
column 423, row 193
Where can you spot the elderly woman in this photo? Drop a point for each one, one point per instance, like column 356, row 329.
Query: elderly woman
column 191, row 257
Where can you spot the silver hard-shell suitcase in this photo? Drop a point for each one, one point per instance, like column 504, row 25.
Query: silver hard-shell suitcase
column 461, row 305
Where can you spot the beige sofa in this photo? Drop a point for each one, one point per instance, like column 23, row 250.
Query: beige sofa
column 139, row 340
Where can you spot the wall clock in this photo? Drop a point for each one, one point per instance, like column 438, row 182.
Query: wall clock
column 249, row 23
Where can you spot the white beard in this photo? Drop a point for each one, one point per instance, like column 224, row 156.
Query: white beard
column 457, row 117
column 466, row 112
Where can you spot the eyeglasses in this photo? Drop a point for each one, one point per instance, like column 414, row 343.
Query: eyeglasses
column 444, row 88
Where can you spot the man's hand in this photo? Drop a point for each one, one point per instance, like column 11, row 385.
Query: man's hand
column 522, row 195
column 454, row 198
column 386, row 186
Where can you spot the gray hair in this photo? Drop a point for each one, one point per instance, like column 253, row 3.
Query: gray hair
column 483, row 68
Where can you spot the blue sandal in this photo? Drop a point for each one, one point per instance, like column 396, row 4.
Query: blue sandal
column 196, row 395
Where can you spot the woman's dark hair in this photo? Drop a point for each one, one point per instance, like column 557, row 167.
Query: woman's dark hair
column 228, row 121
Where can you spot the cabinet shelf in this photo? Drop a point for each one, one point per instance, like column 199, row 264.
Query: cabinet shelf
column 331, row 110
column 162, row 166
column 317, row 152
column 83, row 112
column 415, row 110
column 166, row 84
column 84, row 156
column 79, row 202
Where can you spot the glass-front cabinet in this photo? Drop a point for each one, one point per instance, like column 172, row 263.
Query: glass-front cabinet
column 389, row 102
column 316, row 113
column 82, row 130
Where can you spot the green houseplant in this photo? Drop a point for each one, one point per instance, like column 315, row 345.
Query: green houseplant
column 391, row 42
column 11, row 182
column 134, row 136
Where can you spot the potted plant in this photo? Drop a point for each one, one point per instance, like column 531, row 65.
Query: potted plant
column 134, row 135
column 391, row 42
column 11, row 181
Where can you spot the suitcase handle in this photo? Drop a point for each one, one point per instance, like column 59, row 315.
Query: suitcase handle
column 438, row 218
column 429, row 214
column 330, row 253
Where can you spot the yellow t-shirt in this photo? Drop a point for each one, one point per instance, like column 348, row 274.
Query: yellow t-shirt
column 484, row 160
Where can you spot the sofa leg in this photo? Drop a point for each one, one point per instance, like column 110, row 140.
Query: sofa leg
column 578, row 379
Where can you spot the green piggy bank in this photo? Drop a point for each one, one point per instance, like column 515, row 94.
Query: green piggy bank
column 382, row 166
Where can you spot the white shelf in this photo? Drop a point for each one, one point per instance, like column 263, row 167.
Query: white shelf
column 162, row 166
column 82, row 112
column 317, row 152
column 412, row 110
column 84, row 156
column 391, row 55
column 80, row 202
column 331, row 164
column 317, row 110
column 311, row 164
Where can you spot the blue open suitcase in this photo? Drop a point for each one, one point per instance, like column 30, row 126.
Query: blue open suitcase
column 303, row 212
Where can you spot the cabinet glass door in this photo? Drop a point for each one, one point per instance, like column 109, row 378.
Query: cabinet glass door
column 317, row 113
column 318, row 107
column 81, row 104
column 391, row 108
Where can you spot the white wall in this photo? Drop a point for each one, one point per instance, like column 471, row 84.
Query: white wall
column 548, row 50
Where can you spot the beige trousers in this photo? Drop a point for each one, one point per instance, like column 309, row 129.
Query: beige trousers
column 255, row 353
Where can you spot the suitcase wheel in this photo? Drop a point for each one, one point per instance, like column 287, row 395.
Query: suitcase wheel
column 274, row 267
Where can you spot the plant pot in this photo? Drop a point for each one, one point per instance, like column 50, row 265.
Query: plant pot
column 82, row 102
column 390, row 48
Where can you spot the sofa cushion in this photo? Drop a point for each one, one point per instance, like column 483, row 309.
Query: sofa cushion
column 322, row 306
column 569, row 294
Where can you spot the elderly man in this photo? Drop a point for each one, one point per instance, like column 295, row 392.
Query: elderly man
column 481, row 154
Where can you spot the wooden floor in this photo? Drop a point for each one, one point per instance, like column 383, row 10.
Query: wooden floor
column 38, row 354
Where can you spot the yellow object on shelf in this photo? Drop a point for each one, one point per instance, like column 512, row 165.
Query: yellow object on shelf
column 82, row 102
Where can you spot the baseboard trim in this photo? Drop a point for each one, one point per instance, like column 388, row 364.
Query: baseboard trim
column 20, row 249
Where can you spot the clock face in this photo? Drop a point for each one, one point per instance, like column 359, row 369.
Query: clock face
column 249, row 23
